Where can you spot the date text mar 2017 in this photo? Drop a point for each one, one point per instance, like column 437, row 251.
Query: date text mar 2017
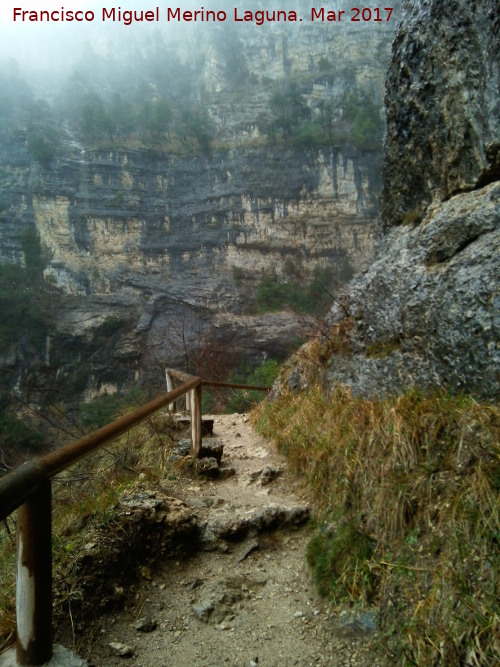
column 128, row 17
column 354, row 15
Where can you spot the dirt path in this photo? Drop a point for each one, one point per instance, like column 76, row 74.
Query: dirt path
column 237, row 603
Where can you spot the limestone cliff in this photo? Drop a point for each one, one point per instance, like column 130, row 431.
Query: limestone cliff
column 155, row 242
column 426, row 313
column 158, row 249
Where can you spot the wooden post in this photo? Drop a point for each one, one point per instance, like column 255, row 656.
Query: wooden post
column 34, row 578
column 195, row 395
column 172, row 407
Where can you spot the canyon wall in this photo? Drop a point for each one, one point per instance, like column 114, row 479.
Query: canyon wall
column 155, row 252
column 151, row 240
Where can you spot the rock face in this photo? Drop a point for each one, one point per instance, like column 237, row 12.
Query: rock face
column 157, row 252
column 442, row 105
column 427, row 312
column 153, row 251
column 181, row 225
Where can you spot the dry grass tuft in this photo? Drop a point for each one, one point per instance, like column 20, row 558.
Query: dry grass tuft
column 419, row 476
column 84, row 499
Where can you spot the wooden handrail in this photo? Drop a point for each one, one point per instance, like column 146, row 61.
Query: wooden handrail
column 28, row 489
column 233, row 385
column 61, row 459
column 17, row 486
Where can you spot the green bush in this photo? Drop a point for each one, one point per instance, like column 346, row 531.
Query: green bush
column 43, row 144
column 25, row 296
column 310, row 134
column 337, row 558
column 365, row 121
column 264, row 376
column 18, row 441
column 307, row 296
column 108, row 407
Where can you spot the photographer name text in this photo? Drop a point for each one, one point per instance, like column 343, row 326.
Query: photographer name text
column 128, row 17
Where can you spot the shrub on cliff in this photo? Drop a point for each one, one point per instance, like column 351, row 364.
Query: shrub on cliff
column 43, row 143
column 25, row 297
column 363, row 116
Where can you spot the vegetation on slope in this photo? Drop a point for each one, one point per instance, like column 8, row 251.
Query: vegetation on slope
column 155, row 100
column 27, row 303
column 88, row 529
column 304, row 293
column 25, row 296
column 408, row 517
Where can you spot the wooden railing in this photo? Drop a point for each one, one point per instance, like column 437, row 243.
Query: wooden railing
column 28, row 489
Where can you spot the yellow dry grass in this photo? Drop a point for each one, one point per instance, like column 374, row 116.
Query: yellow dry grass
column 419, row 475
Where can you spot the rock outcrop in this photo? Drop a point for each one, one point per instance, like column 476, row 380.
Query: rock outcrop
column 427, row 312
column 157, row 255
column 442, row 105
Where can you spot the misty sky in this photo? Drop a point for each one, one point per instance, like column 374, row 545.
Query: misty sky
column 38, row 45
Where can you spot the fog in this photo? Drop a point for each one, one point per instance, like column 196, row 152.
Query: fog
column 47, row 51
column 56, row 46
column 101, row 81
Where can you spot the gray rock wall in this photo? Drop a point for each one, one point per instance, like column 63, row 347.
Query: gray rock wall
column 442, row 105
column 146, row 247
column 427, row 311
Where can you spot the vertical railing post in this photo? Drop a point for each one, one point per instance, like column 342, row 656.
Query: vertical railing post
column 172, row 407
column 34, row 578
column 195, row 396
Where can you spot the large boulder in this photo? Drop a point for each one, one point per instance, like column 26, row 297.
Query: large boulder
column 442, row 104
column 427, row 311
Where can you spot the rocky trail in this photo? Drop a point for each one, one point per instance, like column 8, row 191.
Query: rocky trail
column 246, row 597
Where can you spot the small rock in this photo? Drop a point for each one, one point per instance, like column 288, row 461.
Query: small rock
column 357, row 624
column 253, row 546
column 212, row 448
column 226, row 472
column 204, row 609
column 222, row 626
column 298, row 614
column 122, row 650
column 118, row 593
column 208, row 467
column 269, row 474
column 146, row 624
column 207, row 425
column 196, row 502
column 181, row 449
column 195, row 584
